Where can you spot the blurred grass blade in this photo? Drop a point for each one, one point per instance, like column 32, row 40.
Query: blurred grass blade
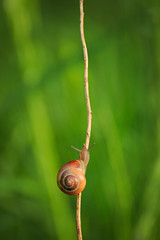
column 46, row 162
column 19, row 12
column 151, row 197
column 122, row 181
column 150, row 205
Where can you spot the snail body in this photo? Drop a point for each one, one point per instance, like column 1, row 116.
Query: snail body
column 71, row 179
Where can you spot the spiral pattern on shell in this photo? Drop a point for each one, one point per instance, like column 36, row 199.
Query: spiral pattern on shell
column 71, row 179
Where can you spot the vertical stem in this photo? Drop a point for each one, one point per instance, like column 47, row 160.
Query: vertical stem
column 78, row 219
column 89, row 111
column 85, row 52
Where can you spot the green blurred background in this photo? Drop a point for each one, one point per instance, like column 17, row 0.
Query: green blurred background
column 43, row 112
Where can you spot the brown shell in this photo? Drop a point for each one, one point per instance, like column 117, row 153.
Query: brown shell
column 71, row 179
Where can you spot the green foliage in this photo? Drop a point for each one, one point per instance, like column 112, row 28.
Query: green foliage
column 43, row 112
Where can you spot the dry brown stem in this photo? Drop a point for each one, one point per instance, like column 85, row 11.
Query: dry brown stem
column 89, row 111
column 85, row 52
column 78, row 219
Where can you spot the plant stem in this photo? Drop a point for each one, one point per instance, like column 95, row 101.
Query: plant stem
column 85, row 52
column 89, row 111
column 78, row 219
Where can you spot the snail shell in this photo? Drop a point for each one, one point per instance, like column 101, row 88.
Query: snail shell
column 71, row 179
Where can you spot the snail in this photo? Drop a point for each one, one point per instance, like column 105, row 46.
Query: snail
column 71, row 176
column 71, row 179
